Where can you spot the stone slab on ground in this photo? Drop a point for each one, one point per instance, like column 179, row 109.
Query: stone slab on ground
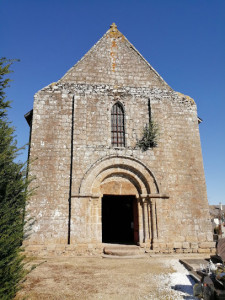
column 193, row 264
column 124, row 256
column 123, row 250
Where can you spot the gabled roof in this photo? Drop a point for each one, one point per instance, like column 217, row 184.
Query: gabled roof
column 114, row 60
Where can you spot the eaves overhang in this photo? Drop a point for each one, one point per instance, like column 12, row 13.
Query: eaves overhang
column 29, row 116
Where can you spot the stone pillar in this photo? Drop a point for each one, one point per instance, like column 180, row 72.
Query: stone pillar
column 152, row 213
column 146, row 223
column 149, row 221
column 154, row 239
column 96, row 219
column 140, row 221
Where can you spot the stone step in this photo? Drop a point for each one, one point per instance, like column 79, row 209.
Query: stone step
column 123, row 250
column 121, row 246
column 124, row 257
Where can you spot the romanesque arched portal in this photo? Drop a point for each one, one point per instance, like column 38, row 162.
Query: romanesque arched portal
column 116, row 182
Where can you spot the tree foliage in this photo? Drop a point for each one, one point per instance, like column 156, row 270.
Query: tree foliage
column 150, row 136
column 13, row 195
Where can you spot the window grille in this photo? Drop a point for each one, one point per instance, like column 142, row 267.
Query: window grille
column 117, row 125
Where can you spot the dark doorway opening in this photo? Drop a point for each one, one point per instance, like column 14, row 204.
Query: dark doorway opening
column 119, row 219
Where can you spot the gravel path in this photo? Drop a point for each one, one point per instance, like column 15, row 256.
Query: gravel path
column 178, row 285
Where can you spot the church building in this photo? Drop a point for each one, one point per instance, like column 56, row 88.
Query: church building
column 116, row 158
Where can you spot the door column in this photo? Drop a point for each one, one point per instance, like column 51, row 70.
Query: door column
column 145, row 219
column 140, row 220
column 154, row 233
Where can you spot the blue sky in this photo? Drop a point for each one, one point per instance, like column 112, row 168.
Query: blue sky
column 184, row 40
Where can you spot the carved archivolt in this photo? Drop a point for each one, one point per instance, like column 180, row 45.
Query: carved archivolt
column 118, row 175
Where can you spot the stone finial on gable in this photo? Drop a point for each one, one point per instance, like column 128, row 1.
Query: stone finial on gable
column 113, row 27
column 114, row 32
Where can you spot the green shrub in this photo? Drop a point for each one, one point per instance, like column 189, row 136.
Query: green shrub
column 13, row 195
column 150, row 136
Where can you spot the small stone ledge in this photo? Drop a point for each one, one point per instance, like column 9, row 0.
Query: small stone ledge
column 64, row 250
column 185, row 247
column 189, row 250
column 97, row 249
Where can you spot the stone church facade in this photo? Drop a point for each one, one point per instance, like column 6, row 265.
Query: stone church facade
column 94, row 184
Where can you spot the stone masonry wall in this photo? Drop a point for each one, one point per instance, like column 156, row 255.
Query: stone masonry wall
column 176, row 162
column 114, row 71
column 50, row 168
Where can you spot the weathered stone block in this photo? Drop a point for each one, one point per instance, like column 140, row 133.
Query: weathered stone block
column 207, row 245
column 213, row 251
column 194, row 245
column 187, row 250
column 185, row 245
column 178, row 245
column 170, row 245
column 200, row 250
column 192, row 238
column 179, row 250
column 209, row 236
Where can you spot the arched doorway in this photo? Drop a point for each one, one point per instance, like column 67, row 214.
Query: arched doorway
column 120, row 219
column 119, row 189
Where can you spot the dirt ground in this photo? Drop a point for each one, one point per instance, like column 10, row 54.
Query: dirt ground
column 98, row 278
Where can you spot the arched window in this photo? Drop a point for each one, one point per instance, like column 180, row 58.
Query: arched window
column 117, row 125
